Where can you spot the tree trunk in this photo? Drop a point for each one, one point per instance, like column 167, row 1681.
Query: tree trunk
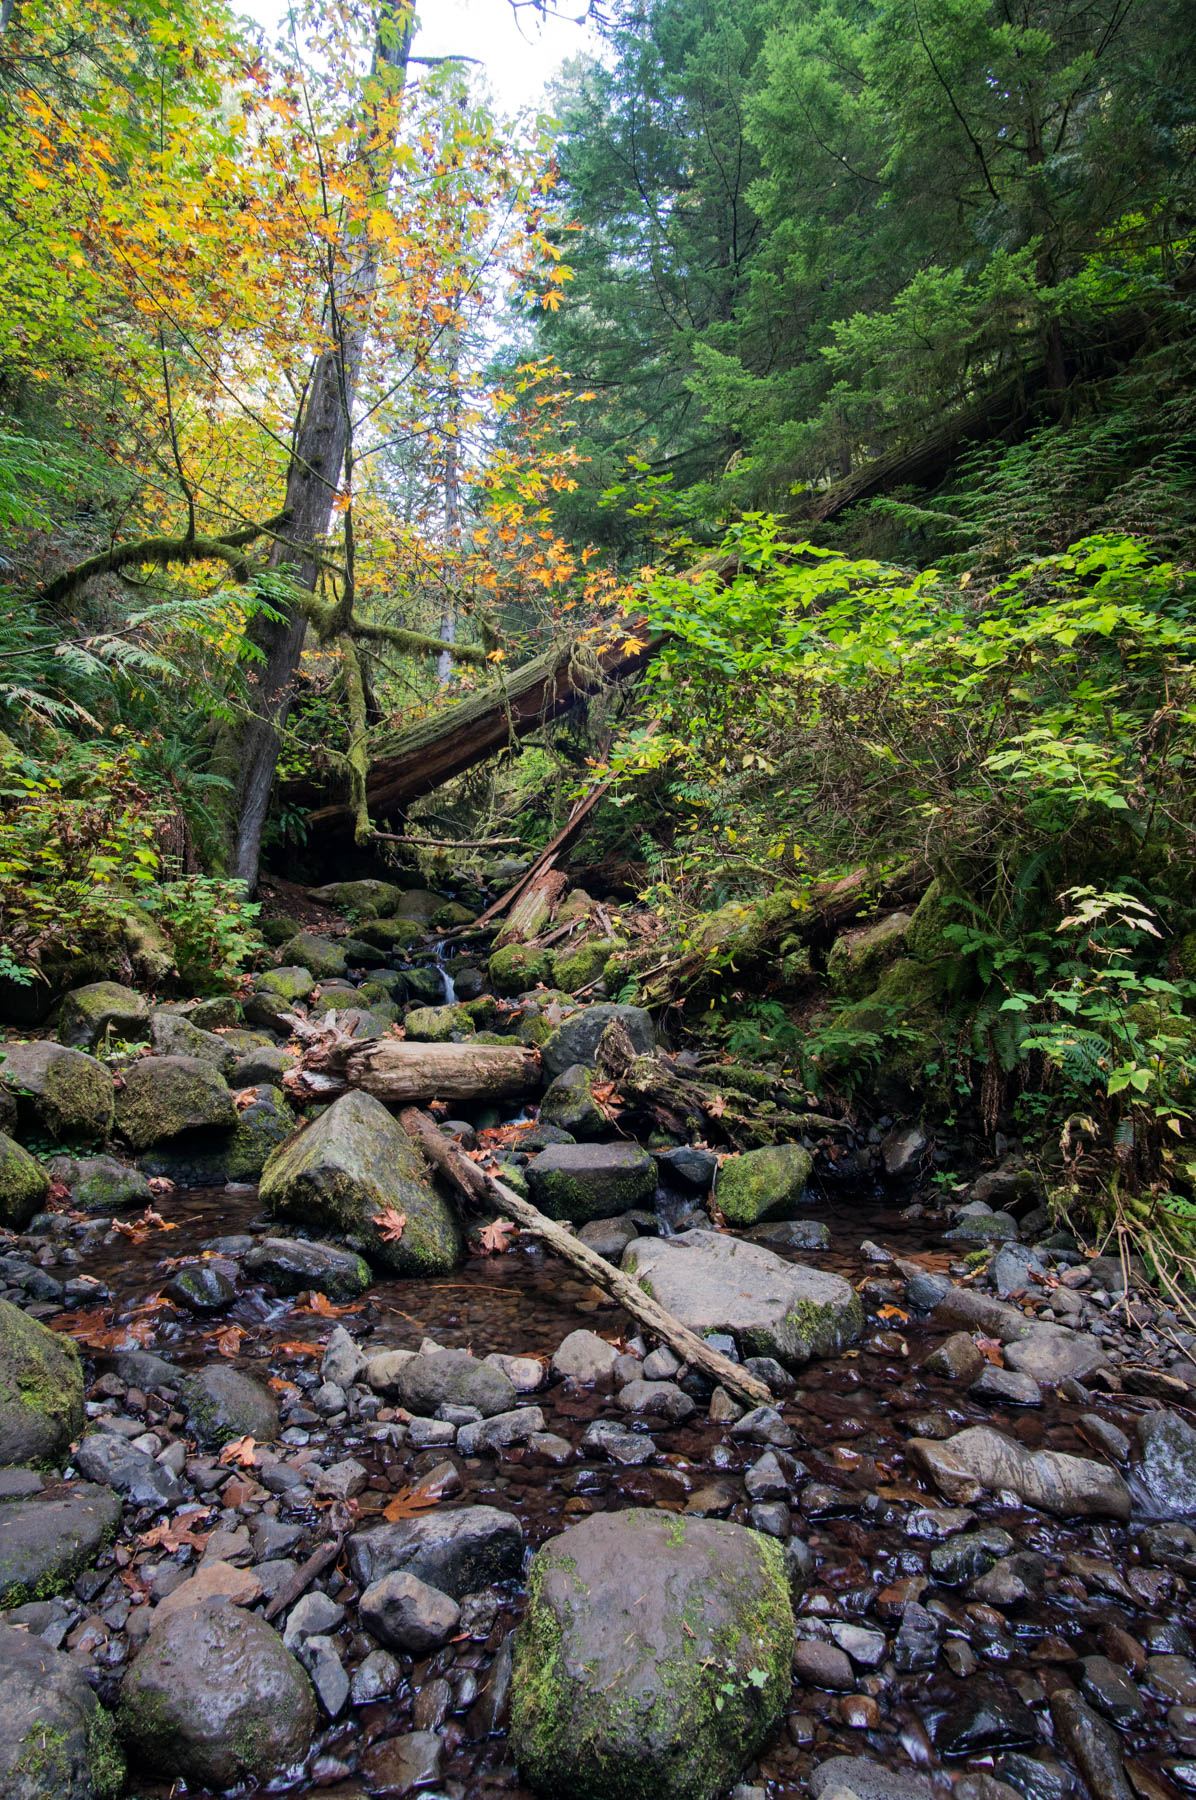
column 401, row 1073
column 313, row 480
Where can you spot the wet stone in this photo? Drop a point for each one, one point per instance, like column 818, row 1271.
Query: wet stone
column 867, row 1780
column 1110, row 1690
column 400, row 1765
column 985, row 1720
column 865, row 1648
column 973, row 1553
column 628, row 1448
column 1005, row 1387
column 823, row 1665
column 1092, row 1742
column 1172, row 1678
column 917, row 1641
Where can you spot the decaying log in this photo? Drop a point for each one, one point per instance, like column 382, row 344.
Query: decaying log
column 533, row 909
column 416, row 761
column 484, row 1190
column 399, row 1072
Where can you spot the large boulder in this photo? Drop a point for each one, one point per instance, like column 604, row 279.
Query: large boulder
column 576, row 1041
column 419, row 903
column 763, row 1184
column 517, row 968
column 166, row 1097
column 591, row 1181
column 287, row 985
column 713, row 1282
column 223, row 1404
column 322, row 956
column 264, row 1121
column 216, row 1698
column 172, row 1035
column 457, row 1551
column 59, row 1091
column 1072, row 1487
column 56, row 1740
column 367, row 899
column 102, row 1009
column 41, row 1391
column 454, row 1378
column 579, row 967
column 654, row 1657
column 290, row 1265
column 346, row 1168
column 1166, row 1476
column 859, row 957
column 392, row 936
column 24, row 1184
column 570, row 1105
column 46, row 1543
column 101, row 1184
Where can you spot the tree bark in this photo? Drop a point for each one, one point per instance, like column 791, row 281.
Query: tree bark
column 313, row 479
column 484, row 1190
column 399, row 1072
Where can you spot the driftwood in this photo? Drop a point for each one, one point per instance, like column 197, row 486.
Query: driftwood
column 484, row 1190
column 414, row 762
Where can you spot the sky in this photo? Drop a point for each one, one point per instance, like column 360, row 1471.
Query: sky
column 520, row 50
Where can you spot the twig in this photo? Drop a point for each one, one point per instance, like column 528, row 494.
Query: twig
column 390, row 837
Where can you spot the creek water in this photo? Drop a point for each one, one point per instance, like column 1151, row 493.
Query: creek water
column 865, row 1514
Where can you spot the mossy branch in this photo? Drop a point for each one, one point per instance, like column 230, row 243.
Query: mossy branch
column 163, row 552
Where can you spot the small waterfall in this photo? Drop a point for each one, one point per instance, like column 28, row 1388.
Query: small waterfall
column 450, row 990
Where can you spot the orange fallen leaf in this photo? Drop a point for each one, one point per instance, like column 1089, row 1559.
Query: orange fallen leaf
column 240, row 1452
column 245, row 1098
column 322, row 1306
column 161, row 1184
column 182, row 1533
column 137, row 1230
column 990, row 1349
column 300, row 1347
column 893, row 1312
column 390, row 1223
column 497, row 1237
column 228, row 1341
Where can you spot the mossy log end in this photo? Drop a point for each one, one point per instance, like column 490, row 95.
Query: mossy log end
column 414, row 762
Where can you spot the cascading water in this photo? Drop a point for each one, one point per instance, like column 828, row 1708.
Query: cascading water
column 450, row 990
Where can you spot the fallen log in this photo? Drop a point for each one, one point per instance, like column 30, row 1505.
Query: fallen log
column 484, row 1190
column 402, row 1073
column 414, row 762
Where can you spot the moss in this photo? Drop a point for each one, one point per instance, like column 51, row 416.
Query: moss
column 763, row 1184
column 437, row 1024
column 758, row 1083
column 585, row 964
column 938, row 907
column 104, row 1756
column 41, row 1388
column 858, row 958
column 24, row 1185
column 46, row 1761
column 822, row 1330
column 516, row 969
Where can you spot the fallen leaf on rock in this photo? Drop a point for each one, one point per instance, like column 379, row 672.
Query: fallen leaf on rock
column 280, row 1385
column 57, row 1192
column 990, row 1349
column 717, row 1106
column 181, row 1533
column 240, row 1452
column 322, row 1306
column 161, row 1184
column 244, row 1098
column 390, row 1223
column 497, row 1237
column 300, row 1347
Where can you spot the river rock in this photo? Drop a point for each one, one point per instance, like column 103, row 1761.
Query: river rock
column 216, row 1698
column 457, row 1551
column 1166, row 1475
column 24, row 1184
column 202, row 1288
column 637, row 1625
column 368, row 899
column 292, row 1264
column 59, row 1091
column 342, row 1170
column 792, row 1234
column 113, row 1462
column 41, row 1391
column 172, row 1035
column 584, row 1357
column 763, row 1184
column 581, row 1182
column 321, row 955
column 164, row 1097
column 222, row 1404
column 286, row 986
column 45, row 1544
column 983, row 1227
column 867, row 1780
column 56, row 1740
column 263, row 1065
column 454, row 1378
column 713, row 1282
column 518, row 968
column 1005, row 1387
column 404, row 1612
column 569, row 1103
column 1093, row 1743
column 264, row 1122
column 101, row 1184
column 576, row 1041
column 1072, row 1487
column 1051, row 1354
column 957, row 1358
column 102, row 1009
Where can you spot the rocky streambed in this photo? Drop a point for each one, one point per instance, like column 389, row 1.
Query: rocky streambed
column 331, row 1502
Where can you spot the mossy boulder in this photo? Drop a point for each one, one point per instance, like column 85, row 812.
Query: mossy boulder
column 264, row 1123
column 518, row 968
column 277, row 932
column 452, row 915
column 715, row 1282
column 576, row 1040
column 223, row 1404
column 369, row 899
column 653, row 1660
column 46, row 1543
column 763, row 1184
column 591, row 1181
column 288, row 983
column 216, row 1698
column 321, row 955
column 172, row 1035
column 102, row 1009
column 578, row 967
column 166, row 1097
column 939, row 907
column 390, row 935
column 342, row 1172
column 360, row 955
column 858, row 958
column 56, row 1740
column 419, row 903
column 222, row 1013
column 24, row 1185
column 41, row 1391
column 743, row 930
column 896, row 1038
column 437, row 1024
column 569, row 1103
column 59, row 1091
column 101, row 1184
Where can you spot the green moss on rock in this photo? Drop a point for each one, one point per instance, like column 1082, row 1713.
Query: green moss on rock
column 41, row 1391
column 437, row 1024
column 517, row 968
column 24, row 1185
column 763, row 1184
column 578, row 967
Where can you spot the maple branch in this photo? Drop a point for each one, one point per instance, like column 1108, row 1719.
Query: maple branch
column 163, row 552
